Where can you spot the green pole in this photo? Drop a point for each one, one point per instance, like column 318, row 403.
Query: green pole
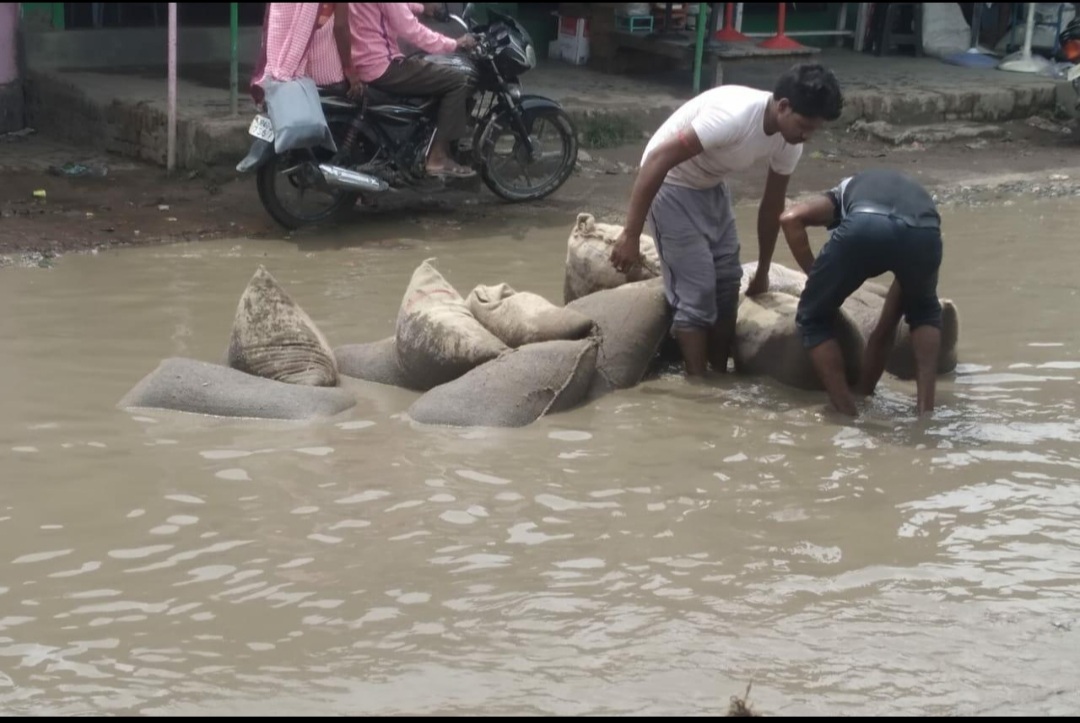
column 58, row 16
column 699, row 43
column 234, row 55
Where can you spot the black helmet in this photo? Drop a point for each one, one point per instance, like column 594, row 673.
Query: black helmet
column 1070, row 31
column 1069, row 41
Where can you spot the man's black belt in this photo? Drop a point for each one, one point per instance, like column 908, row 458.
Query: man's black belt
column 928, row 219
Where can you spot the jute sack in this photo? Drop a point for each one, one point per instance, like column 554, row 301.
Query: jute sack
column 515, row 389
column 373, row 362
column 521, row 317
column 187, row 385
column 438, row 338
column 588, row 259
column 631, row 322
column 273, row 338
column 768, row 343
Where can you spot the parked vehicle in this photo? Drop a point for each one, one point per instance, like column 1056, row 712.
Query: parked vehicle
column 1069, row 42
column 523, row 146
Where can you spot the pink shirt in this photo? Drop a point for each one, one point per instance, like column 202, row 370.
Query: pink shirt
column 375, row 29
column 289, row 29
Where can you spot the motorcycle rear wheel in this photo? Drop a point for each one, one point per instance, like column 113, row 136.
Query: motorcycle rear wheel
column 298, row 168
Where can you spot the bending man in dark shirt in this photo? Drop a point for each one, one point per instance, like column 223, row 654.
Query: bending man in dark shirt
column 882, row 220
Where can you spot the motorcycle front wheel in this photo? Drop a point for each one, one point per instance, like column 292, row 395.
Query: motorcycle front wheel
column 506, row 166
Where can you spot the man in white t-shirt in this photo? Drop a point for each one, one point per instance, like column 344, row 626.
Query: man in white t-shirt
column 681, row 188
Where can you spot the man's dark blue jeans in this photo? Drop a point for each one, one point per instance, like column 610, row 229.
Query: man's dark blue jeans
column 863, row 246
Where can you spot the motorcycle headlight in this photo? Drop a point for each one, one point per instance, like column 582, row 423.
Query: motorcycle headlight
column 515, row 91
column 530, row 56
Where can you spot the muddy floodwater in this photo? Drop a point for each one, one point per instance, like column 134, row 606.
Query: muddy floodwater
column 650, row 553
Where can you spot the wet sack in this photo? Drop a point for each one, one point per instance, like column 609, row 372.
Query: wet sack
column 372, row 362
column 437, row 337
column 521, row 317
column 767, row 342
column 198, row 387
column 631, row 323
column 515, row 389
column 273, row 338
column 588, row 259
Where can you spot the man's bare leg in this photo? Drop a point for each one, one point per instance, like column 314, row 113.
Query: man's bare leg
column 721, row 337
column 926, row 341
column 829, row 365
column 694, row 345
column 881, row 341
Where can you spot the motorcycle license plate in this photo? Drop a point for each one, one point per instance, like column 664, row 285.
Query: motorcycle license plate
column 1074, row 72
column 262, row 128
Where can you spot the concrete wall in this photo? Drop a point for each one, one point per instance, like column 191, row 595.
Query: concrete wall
column 83, row 110
column 104, row 48
column 12, row 114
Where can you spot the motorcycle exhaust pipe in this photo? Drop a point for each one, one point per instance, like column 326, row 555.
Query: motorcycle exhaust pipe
column 352, row 180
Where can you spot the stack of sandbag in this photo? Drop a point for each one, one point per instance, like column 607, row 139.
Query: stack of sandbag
column 588, row 259
column 279, row 366
column 498, row 358
column 864, row 308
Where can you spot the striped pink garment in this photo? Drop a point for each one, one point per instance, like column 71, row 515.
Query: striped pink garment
column 288, row 32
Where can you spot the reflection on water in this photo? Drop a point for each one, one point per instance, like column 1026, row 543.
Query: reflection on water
column 648, row 554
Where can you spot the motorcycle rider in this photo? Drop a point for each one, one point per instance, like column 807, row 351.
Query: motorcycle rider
column 298, row 40
column 370, row 32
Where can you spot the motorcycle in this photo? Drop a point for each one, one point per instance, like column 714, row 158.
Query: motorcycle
column 383, row 140
column 1069, row 42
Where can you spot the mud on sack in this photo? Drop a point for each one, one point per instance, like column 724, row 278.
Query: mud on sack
column 438, row 338
column 767, row 342
column 518, row 318
column 515, row 389
column 588, row 259
column 273, row 338
column 631, row 323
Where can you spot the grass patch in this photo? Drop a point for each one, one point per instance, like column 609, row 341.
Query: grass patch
column 607, row 131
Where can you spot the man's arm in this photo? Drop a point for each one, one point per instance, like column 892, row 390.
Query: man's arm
column 406, row 26
column 881, row 341
column 684, row 146
column 819, row 211
column 343, row 39
column 768, row 228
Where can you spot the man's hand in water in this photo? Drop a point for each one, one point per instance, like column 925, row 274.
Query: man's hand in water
column 759, row 284
column 626, row 253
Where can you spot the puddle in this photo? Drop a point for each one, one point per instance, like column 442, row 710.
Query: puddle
column 649, row 554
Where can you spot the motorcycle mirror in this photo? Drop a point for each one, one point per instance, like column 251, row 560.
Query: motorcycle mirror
column 467, row 13
column 459, row 21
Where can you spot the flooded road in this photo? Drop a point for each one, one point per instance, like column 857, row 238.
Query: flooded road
column 651, row 553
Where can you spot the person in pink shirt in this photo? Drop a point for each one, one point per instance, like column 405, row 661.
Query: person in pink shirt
column 371, row 32
column 298, row 40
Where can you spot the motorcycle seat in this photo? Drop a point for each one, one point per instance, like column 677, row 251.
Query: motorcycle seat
column 381, row 97
column 335, row 90
column 375, row 96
